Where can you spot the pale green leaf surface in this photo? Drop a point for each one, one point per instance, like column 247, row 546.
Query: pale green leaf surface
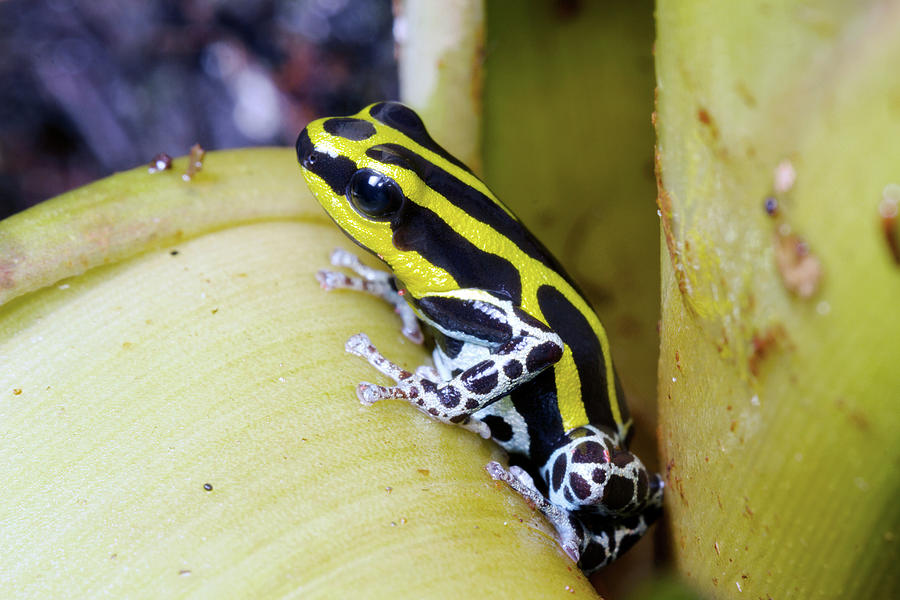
column 132, row 376
column 778, row 410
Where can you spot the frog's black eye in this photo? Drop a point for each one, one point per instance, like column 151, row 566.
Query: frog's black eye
column 373, row 194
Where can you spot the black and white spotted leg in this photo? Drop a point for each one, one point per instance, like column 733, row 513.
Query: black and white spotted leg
column 606, row 540
column 528, row 351
column 361, row 345
column 371, row 281
column 592, row 541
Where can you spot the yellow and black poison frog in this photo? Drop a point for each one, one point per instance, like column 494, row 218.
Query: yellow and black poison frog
column 520, row 356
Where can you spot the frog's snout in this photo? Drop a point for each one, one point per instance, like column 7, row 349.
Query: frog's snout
column 305, row 150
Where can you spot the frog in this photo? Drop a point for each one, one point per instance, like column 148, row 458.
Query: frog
column 519, row 357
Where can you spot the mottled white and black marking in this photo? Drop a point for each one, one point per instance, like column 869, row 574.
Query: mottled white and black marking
column 599, row 496
column 457, row 399
column 590, row 541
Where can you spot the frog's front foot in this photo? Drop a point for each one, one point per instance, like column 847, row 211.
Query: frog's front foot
column 370, row 393
column 441, row 402
column 377, row 283
column 411, row 386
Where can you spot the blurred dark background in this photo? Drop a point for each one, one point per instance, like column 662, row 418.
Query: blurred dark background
column 92, row 87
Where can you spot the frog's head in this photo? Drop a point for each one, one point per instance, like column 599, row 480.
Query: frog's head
column 373, row 172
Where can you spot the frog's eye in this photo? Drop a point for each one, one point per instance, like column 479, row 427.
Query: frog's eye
column 373, row 194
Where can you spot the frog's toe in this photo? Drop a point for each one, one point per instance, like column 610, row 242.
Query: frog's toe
column 496, row 471
column 370, row 393
column 359, row 345
column 331, row 280
column 428, row 372
column 413, row 334
column 571, row 548
column 341, row 258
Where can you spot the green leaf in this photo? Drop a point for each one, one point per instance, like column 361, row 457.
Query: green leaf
column 779, row 372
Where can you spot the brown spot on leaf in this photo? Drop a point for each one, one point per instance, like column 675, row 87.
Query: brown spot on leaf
column 763, row 344
column 857, row 419
column 800, row 270
column 667, row 221
column 745, row 94
column 704, row 117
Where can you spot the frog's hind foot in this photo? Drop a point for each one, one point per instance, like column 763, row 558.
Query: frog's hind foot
column 570, row 533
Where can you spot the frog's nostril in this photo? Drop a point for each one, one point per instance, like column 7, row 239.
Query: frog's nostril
column 305, row 150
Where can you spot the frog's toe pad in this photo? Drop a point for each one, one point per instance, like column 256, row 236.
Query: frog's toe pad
column 360, row 345
column 370, row 393
column 427, row 372
column 341, row 258
column 479, row 427
column 571, row 548
column 496, row 471
column 332, row 280
column 413, row 334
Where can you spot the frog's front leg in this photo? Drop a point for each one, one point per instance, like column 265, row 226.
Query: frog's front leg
column 361, row 345
column 371, row 281
column 521, row 347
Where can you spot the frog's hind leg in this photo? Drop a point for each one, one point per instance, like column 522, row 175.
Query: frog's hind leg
column 593, row 473
column 570, row 532
column 607, row 540
column 592, row 541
